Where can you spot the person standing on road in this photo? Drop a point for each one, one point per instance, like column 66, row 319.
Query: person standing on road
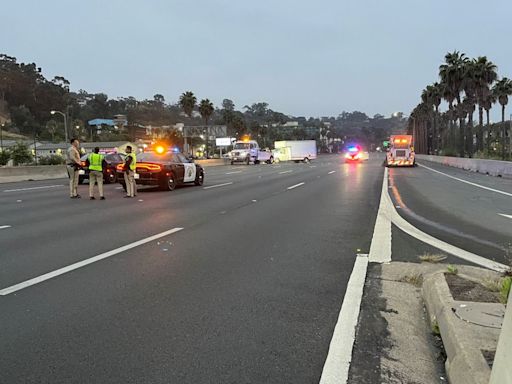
column 73, row 165
column 130, row 164
column 96, row 163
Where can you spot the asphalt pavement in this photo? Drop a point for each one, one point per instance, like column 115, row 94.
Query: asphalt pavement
column 246, row 290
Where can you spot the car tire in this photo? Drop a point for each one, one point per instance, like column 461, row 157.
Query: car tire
column 169, row 183
column 199, row 179
column 271, row 160
column 247, row 160
column 256, row 162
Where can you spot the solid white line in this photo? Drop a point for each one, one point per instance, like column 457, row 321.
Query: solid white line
column 32, row 188
column 467, row 182
column 283, row 172
column 218, row 185
column 338, row 360
column 330, row 173
column 502, row 214
column 380, row 247
column 4, row 226
column 83, row 263
column 230, row 173
column 410, row 229
column 295, row 186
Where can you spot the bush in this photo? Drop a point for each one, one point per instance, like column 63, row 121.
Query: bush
column 20, row 154
column 5, row 156
column 51, row 160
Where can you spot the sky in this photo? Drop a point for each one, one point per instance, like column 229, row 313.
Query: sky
column 304, row 58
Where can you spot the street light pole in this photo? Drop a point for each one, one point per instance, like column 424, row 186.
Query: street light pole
column 2, row 138
column 53, row 112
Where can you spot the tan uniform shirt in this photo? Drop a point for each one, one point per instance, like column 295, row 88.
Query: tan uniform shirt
column 73, row 157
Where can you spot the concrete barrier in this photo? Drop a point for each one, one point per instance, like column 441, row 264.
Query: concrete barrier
column 211, row 162
column 24, row 173
column 489, row 167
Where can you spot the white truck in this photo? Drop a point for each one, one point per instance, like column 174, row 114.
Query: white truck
column 295, row 150
column 249, row 151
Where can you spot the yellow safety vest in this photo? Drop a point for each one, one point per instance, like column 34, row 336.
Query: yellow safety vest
column 133, row 164
column 95, row 161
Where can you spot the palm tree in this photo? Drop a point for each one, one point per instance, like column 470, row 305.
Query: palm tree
column 487, row 103
column 469, row 84
column 452, row 75
column 188, row 102
column 502, row 90
column 431, row 96
column 206, row 110
column 485, row 74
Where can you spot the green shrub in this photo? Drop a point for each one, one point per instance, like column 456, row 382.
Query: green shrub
column 5, row 156
column 505, row 289
column 51, row 160
column 20, row 154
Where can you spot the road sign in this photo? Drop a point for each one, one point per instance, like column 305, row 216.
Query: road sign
column 223, row 141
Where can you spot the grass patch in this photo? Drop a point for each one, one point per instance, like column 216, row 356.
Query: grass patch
column 432, row 258
column 505, row 289
column 452, row 269
column 415, row 279
column 493, row 285
column 435, row 328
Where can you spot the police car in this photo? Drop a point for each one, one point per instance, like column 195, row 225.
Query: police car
column 164, row 169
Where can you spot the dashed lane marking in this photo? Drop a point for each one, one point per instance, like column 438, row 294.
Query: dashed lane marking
column 218, row 185
column 83, row 263
column 295, row 186
column 5, row 226
column 33, row 188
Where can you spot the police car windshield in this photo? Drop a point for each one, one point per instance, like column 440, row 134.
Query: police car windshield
column 155, row 157
column 241, row 146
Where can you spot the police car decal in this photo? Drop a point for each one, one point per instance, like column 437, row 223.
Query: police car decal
column 190, row 172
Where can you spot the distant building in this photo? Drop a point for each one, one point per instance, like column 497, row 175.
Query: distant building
column 59, row 149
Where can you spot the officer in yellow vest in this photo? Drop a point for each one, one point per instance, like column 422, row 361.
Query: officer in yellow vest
column 130, row 165
column 96, row 162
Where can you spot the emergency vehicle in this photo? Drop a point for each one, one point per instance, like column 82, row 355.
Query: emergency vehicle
column 401, row 151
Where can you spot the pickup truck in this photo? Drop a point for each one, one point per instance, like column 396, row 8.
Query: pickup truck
column 247, row 151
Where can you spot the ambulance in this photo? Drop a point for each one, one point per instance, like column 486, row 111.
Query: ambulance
column 401, row 151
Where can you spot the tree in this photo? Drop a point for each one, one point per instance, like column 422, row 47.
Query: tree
column 20, row 154
column 188, row 103
column 452, row 74
column 206, row 110
column 485, row 73
column 501, row 91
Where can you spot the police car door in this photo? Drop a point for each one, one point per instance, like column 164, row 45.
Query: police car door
column 189, row 169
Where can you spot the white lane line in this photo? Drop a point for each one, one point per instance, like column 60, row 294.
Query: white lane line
column 380, row 247
column 33, row 188
column 4, row 226
column 218, row 185
column 467, row 182
column 502, row 214
column 338, row 360
column 410, row 229
column 295, row 186
column 230, row 173
column 83, row 263
column 283, row 172
column 330, row 173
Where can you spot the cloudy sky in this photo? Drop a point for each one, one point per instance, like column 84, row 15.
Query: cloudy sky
column 305, row 58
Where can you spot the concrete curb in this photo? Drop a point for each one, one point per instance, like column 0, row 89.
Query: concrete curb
column 465, row 363
column 25, row 173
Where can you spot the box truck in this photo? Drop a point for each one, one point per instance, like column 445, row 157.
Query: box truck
column 295, row 150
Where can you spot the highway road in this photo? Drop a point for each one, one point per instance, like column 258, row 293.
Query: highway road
column 238, row 281
column 249, row 290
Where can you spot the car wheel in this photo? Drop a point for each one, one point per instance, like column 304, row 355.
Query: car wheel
column 271, row 160
column 256, row 162
column 199, row 178
column 170, row 183
column 247, row 160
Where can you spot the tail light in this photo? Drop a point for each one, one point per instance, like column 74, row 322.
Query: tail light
column 119, row 167
column 149, row 167
column 83, row 164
